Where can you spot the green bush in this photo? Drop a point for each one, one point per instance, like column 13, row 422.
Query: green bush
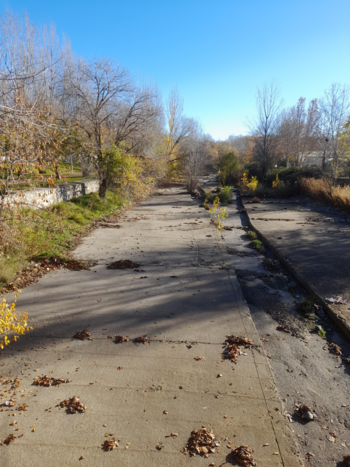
column 230, row 169
column 292, row 175
column 253, row 169
column 224, row 196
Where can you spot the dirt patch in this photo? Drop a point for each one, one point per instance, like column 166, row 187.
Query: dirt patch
column 123, row 264
column 109, row 226
column 233, row 251
column 258, row 296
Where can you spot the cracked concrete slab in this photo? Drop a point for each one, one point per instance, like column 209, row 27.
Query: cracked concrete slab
column 187, row 303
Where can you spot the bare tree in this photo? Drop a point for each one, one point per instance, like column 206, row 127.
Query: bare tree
column 110, row 110
column 335, row 108
column 298, row 131
column 180, row 127
column 264, row 126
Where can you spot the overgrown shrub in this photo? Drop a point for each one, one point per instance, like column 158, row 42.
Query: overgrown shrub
column 224, row 196
column 253, row 169
column 230, row 170
column 292, row 174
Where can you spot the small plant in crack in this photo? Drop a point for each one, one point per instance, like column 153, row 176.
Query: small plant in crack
column 218, row 215
column 257, row 245
column 306, row 306
column 252, row 235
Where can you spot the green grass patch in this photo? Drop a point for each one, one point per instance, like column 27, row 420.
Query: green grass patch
column 52, row 232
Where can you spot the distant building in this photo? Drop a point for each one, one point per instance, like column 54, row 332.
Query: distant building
column 313, row 159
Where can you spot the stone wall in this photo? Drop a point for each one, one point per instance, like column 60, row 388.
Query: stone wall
column 44, row 197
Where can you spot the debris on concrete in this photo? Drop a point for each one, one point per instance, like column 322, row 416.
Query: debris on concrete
column 109, row 444
column 243, row 456
column 232, row 347
column 305, row 412
column 123, row 264
column 82, row 335
column 73, row 405
column 121, row 339
column 47, row 381
column 339, row 300
column 201, row 442
column 335, row 349
column 282, row 328
column 10, row 438
column 141, row 339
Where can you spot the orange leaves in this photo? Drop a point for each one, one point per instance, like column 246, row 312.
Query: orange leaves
column 48, row 381
column 73, row 405
column 243, row 456
column 10, row 438
column 109, row 444
column 201, row 442
column 232, row 347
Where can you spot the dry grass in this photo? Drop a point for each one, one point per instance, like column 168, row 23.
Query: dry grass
column 321, row 190
column 341, row 197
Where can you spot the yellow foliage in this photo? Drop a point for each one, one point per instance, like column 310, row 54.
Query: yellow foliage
column 245, row 180
column 249, row 185
column 218, row 215
column 11, row 321
column 275, row 183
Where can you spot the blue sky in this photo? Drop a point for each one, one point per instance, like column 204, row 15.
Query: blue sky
column 215, row 52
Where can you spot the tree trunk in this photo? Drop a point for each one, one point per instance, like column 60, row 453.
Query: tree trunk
column 103, row 188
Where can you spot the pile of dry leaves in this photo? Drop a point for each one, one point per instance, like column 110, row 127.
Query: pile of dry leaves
column 141, row 339
column 108, row 225
column 48, row 381
column 73, row 405
column 123, row 264
column 232, row 347
column 8, row 440
column 38, row 268
column 109, row 444
column 243, row 456
column 121, row 339
column 82, row 335
column 201, row 442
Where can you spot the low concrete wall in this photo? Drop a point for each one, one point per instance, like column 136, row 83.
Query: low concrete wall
column 44, row 197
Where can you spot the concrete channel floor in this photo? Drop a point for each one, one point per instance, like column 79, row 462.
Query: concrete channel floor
column 315, row 245
column 186, row 300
